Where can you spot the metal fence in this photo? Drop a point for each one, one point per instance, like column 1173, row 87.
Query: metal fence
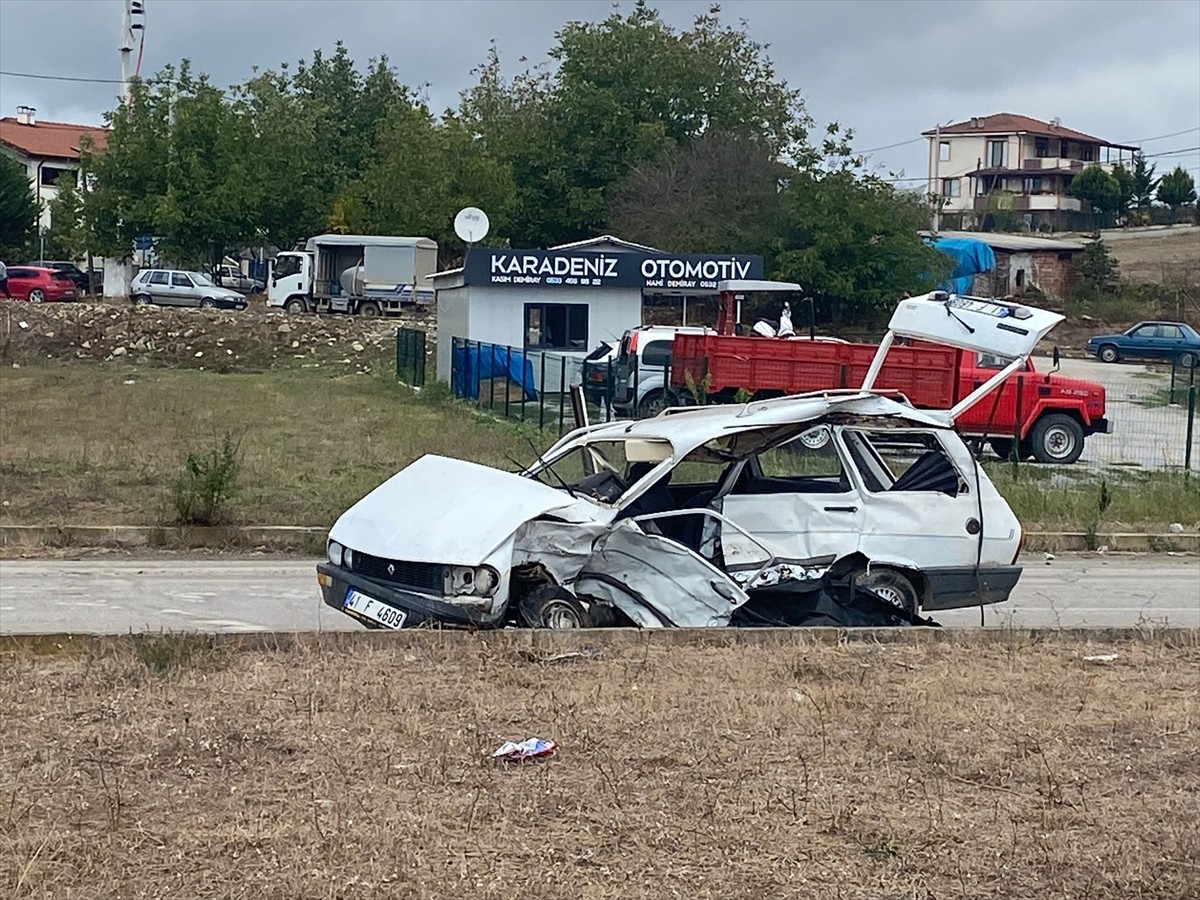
column 410, row 356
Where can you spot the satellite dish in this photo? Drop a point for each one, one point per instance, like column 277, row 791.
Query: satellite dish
column 471, row 224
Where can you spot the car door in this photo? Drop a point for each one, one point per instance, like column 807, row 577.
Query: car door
column 20, row 282
column 183, row 291
column 1171, row 338
column 798, row 499
column 1143, row 342
column 157, row 284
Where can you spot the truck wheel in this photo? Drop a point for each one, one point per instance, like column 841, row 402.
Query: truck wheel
column 1002, row 447
column 816, row 438
column 370, row 309
column 552, row 607
column 1187, row 360
column 295, row 305
column 1056, row 438
column 1109, row 354
column 892, row 585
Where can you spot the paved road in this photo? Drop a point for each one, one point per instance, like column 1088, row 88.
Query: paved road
column 115, row 597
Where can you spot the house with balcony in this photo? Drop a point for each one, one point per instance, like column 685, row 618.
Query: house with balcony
column 1011, row 170
column 49, row 151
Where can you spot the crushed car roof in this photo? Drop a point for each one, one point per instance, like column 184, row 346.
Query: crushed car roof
column 690, row 427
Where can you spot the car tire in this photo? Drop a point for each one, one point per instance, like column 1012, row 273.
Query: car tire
column 552, row 608
column 1002, row 447
column 891, row 585
column 1108, row 353
column 655, row 402
column 370, row 309
column 1187, row 360
column 37, row 295
column 207, row 303
column 1056, row 438
column 141, row 300
column 295, row 305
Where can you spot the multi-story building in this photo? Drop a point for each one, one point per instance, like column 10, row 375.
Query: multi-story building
column 48, row 150
column 1014, row 165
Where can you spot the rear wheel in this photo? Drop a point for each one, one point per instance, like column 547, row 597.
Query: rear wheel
column 655, row 402
column 37, row 295
column 892, row 585
column 1056, row 438
column 1187, row 360
column 370, row 309
column 295, row 305
column 1109, row 354
column 141, row 300
column 552, row 607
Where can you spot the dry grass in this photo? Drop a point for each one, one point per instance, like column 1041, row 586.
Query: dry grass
column 1169, row 257
column 940, row 770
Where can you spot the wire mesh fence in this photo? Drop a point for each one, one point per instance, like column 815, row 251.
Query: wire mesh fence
column 410, row 356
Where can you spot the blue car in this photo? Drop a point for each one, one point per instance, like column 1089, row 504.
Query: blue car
column 1171, row 341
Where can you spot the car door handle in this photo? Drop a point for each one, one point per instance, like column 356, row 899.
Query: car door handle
column 845, row 509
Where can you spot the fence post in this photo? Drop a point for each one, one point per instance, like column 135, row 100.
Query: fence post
column 419, row 371
column 399, row 335
column 562, row 387
column 1191, row 422
column 524, row 362
column 507, row 389
column 542, row 394
column 610, row 391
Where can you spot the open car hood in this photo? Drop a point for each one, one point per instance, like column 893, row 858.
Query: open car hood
column 441, row 510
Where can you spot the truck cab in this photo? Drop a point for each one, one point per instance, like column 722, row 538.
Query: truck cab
column 289, row 285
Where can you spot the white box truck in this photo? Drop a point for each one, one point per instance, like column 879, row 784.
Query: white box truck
column 354, row 273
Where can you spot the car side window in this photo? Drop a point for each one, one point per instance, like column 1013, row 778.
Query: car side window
column 1146, row 331
column 904, row 461
column 657, row 354
column 1171, row 331
column 20, row 273
column 158, row 278
column 808, row 465
column 178, row 279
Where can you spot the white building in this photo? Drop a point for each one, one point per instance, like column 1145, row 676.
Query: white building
column 48, row 150
column 1013, row 162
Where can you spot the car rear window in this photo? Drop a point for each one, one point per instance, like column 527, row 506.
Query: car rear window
column 21, row 273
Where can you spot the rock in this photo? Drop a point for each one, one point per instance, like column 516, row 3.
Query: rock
column 199, row 353
column 295, row 344
column 1175, row 528
column 86, row 345
column 23, row 324
column 357, row 347
column 284, row 328
column 190, row 333
column 129, row 381
column 49, row 334
column 119, row 351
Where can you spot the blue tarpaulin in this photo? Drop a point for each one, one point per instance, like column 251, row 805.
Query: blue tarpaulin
column 474, row 363
column 970, row 257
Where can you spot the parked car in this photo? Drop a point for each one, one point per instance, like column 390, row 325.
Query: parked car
column 231, row 277
column 175, row 287
column 83, row 285
column 1172, row 341
column 706, row 516
column 39, row 284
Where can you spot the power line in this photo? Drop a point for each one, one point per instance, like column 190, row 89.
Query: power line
column 1172, row 152
column 72, row 78
column 891, row 146
column 1159, row 137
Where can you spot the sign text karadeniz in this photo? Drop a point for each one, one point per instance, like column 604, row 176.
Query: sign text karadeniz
column 649, row 271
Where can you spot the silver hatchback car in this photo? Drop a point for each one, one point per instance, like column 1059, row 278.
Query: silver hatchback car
column 176, row 287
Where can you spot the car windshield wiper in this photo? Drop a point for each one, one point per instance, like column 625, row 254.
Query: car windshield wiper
column 566, row 487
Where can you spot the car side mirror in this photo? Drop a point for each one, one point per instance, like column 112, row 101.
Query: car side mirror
column 1057, row 358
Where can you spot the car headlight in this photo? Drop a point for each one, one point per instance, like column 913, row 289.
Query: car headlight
column 334, row 551
column 478, row 581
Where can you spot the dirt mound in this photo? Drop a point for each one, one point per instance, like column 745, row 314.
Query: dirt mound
column 255, row 338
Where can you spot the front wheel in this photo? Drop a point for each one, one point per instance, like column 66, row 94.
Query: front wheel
column 1056, row 439
column 37, row 296
column 552, row 607
column 891, row 585
column 207, row 303
column 1109, row 354
column 293, row 306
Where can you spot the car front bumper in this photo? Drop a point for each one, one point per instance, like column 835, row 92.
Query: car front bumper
column 1100, row 425
column 419, row 609
column 955, row 587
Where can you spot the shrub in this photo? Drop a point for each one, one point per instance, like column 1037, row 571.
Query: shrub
column 201, row 493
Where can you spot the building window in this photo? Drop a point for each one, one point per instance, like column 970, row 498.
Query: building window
column 944, row 151
column 1087, row 152
column 1033, row 185
column 1041, row 147
column 950, row 187
column 51, row 174
column 996, row 152
column 556, row 326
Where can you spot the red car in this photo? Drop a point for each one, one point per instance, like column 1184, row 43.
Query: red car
column 37, row 285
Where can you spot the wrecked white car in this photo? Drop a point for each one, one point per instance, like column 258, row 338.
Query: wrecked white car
column 833, row 508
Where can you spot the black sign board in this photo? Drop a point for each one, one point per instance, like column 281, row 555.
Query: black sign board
column 589, row 269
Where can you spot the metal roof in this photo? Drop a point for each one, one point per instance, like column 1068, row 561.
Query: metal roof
column 1011, row 242
column 370, row 240
column 605, row 239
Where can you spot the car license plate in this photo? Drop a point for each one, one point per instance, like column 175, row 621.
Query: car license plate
column 368, row 607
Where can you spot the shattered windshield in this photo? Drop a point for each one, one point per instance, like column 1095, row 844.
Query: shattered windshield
column 603, row 470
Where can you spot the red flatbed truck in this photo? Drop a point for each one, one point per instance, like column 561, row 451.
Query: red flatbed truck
column 1048, row 414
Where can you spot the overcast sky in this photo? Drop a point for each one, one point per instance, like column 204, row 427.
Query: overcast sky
column 1124, row 71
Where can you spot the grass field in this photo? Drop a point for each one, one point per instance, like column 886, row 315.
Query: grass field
column 80, row 446
column 788, row 769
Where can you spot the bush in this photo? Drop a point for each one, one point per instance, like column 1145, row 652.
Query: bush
column 201, row 493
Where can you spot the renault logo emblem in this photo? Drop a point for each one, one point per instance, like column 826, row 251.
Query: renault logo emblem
column 391, row 569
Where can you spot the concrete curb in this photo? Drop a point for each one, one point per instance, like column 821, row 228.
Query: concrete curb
column 537, row 646
column 290, row 537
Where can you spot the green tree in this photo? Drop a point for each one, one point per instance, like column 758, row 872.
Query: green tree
column 1095, row 186
column 1126, row 188
column 1177, row 189
column 855, row 240
column 1097, row 269
column 1144, row 182
column 18, row 210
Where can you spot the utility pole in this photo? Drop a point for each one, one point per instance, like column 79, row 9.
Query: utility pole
column 130, row 10
column 936, row 193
